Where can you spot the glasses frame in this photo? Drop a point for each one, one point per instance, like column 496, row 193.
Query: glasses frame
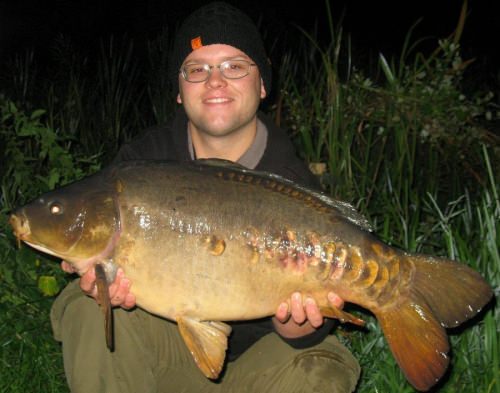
column 209, row 68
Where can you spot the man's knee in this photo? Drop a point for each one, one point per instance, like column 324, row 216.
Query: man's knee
column 326, row 370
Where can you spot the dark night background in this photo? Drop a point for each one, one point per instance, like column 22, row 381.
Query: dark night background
column 376, row 26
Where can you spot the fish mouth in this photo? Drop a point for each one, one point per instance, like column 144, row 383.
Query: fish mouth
column 21, row 227
column 22, row 232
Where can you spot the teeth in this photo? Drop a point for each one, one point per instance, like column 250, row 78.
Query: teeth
column 217, row 100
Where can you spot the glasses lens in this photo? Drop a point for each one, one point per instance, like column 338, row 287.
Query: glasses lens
column 195, row 72
column 234, row 69
column 231, row 69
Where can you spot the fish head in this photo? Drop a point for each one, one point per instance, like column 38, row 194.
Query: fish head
column 77, row 223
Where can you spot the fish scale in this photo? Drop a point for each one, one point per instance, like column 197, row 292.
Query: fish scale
column 209, row 241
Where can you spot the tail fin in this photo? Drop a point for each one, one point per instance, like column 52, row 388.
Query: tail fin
column 454, row 292
column 442, row 294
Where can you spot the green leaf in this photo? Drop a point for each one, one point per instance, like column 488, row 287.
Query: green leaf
column 29, row 130
column 12, row 107
column 37, row 113
column 54, row 177
column 387, row 70
column 48, row 285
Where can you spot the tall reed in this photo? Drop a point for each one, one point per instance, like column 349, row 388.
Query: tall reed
column 414, row 152
column 386, row 142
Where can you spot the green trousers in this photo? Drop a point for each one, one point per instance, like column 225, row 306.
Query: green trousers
column 150, row 357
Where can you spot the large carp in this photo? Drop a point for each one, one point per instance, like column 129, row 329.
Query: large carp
column 209, row 242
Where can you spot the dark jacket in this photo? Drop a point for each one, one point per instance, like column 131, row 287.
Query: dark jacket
column 170, row 142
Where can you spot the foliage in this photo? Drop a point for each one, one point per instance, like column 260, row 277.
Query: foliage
column 401, row 147
column 388, row 142
column 100, row 100
column 470, row 233
column 37, row 158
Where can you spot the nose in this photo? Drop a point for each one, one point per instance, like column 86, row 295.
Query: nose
column 215, row 79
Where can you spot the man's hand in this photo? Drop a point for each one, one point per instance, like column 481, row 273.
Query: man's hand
column 301, row 316
column 119, row 290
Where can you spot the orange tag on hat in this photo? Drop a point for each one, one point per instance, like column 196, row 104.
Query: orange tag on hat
column 196, row 43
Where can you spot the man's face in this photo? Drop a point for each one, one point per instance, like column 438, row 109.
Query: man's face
column 220, row 106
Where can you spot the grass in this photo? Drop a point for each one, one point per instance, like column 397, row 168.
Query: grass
column 36, row 158
column 401, row 148
column 475, row 347
column 31, row 360
column 403, row 142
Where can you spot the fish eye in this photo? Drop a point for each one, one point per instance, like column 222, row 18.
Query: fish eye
column 56, row 208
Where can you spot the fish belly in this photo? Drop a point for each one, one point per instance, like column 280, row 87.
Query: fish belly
column 236, row 285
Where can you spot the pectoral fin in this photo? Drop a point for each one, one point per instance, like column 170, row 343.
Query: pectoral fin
column 207, row 342
column 105, row 304
column 342, row 316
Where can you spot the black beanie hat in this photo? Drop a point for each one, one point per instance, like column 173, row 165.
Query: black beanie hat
column 220, row 23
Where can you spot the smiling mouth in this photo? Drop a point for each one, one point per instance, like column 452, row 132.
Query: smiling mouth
column 218, row 100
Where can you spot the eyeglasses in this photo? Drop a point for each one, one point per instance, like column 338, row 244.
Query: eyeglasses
column 230, row 69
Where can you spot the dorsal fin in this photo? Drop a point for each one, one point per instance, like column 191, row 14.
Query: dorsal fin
column 220, row 163
column 345, row 209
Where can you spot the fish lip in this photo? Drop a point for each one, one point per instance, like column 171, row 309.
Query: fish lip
column 20, row 226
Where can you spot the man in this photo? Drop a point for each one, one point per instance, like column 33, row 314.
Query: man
column 220, row 65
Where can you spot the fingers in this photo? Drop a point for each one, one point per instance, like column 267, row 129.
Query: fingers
column 335, row 300
column 67, row 267
column 313, row 313
column 129, row 301
column 87, row 283
column 119, row 290
column 301, row 309
column 297, row 309
column 282, row 313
